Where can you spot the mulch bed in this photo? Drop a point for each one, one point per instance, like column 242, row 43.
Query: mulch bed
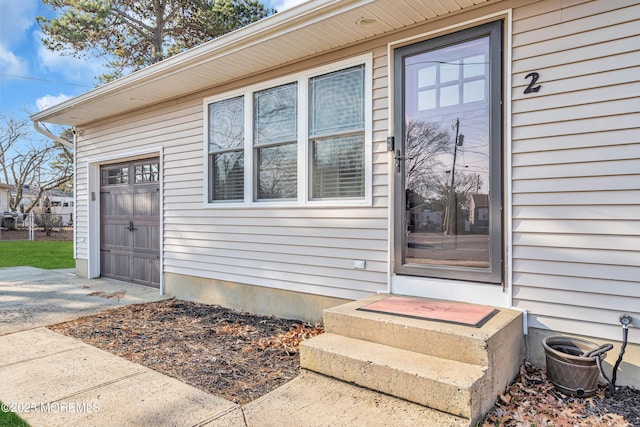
column 240, row 357
column 237, row 356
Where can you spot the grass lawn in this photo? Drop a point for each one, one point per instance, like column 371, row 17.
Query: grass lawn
column 39, row 254
column 9, row 419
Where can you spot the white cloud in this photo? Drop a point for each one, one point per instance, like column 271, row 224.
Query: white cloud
column 48, row 101
column 16, row 17
column 10, row 63
column 72, row 68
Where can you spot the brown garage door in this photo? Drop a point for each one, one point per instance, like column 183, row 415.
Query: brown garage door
column 130, row 222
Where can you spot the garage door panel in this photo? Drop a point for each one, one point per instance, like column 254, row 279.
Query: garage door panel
column 116, row 203
column 115, row 265
column 146, row 237
column 146, row 270
column 115, row 234
column 146, row 203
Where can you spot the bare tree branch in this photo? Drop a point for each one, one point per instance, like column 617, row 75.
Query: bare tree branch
column 44, row 166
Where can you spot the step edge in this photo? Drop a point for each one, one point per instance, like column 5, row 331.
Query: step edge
column 468, row 402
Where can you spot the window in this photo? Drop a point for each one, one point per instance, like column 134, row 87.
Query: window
column 336, row 134
column 301, row 140
column 275, row 136
column 449, row 82
column 116, row 175
column 147, row 172
column 226, row 149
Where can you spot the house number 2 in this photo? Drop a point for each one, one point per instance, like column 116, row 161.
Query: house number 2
column 534, row 79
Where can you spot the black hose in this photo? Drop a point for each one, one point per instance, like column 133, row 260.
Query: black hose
column 612, row 388
column 597, row 353
column 625, row 335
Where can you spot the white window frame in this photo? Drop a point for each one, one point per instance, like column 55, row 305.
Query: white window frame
column 304, row 161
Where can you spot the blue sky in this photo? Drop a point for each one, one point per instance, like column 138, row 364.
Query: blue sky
column 31, row 76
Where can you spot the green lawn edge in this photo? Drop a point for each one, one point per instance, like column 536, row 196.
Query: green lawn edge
column 47, row 255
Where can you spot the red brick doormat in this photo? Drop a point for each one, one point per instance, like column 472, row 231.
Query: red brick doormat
column 439, row 311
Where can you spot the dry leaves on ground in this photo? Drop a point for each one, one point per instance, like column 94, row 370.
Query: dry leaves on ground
column 237, row 356
column 533, row 401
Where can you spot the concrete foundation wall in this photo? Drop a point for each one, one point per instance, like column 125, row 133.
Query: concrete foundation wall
column 82, row 268
column 253, row 299
column 628, row 372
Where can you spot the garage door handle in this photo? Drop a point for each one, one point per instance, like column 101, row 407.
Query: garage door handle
column 131, row 227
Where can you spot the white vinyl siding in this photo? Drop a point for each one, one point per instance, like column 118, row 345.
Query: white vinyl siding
column 302, row 248
column 576, row 165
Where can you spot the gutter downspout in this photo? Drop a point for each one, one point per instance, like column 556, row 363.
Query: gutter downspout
column 44, row 131
column 75, row 198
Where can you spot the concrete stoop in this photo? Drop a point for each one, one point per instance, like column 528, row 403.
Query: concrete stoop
column 452, row 368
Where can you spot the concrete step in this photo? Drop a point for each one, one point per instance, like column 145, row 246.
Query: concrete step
column 445, row 340
column 454, row 387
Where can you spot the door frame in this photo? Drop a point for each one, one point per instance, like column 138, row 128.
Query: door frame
column 93, row 205
column 447, row 289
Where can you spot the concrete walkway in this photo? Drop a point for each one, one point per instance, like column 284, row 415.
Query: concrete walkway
column 32, row 297
column 53, row 380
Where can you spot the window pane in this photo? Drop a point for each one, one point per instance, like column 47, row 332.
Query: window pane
column 277, row 172
column 228, row 175
column 426, row 99
column 473, row 91
column 338, row 167
column 449, row 71
column 275, row 114
column 427, row 76
column 337, row 101
column 449, row 178
column 226, row 124
column 115, row 176
column 149, row 172
column 449, row 95
column 474, row 66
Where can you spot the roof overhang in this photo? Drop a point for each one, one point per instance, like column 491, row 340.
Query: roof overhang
column 304, row 31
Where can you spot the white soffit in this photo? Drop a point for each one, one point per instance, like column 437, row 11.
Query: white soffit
column 307, row 30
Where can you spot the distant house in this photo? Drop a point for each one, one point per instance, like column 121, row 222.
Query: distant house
column 271, row 168
column 54, row 202
column 60, row 204
column 479, row 213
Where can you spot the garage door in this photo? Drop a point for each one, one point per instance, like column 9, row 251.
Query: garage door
column 130, row 222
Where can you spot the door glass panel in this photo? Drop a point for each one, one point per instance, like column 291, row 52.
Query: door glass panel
column 447, row 157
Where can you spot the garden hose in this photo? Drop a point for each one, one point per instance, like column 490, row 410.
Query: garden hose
column 597, row 353
column 625, row 319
